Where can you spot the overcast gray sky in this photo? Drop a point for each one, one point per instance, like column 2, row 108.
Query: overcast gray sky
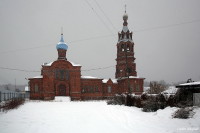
column 166, row 36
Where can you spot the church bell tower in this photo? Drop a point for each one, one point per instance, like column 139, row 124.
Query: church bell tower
column 125, row 52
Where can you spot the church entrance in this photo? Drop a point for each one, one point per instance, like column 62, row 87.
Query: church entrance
column 62, row 90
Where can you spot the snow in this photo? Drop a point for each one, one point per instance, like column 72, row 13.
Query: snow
column 192, row 83
column 88, row 77
column 171, row 90
column 37, row 77
column 93, row 117
column 131, row 77
column 125, row 28
column 125, row 40
column 62, row 99
column 73, row 64
column 146, row 89
column 26, row 88
column 113, row 80
column 48, row 64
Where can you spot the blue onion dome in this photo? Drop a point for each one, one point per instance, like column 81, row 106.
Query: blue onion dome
column 62, row 44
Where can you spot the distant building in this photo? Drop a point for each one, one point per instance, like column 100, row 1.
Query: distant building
column 63, row 78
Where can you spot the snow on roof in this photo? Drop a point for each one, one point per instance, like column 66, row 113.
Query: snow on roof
column 192, row 83
column 114, row 80
column 37, row 77
column 26, row 88
column 130, row 77
column 73, row 64
column 106, row 80
column 125, row 28
column 49, row 64
column 88, row 77
column 125, row 40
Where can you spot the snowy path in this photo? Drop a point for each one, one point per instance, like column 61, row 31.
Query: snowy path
column 92, row 117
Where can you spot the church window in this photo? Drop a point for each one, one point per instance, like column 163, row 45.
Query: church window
column 57, row 74
column 36, row 88
column 127, row 36
column 131, row 89
column 91, row 89
column 137, row 87
column 128, row 48
column 109, row 89
column 122, row 47
column 83, row 90
column 97, row 89
column 67, row 74
column 62, row 74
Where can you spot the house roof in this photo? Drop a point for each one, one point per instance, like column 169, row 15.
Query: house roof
column 191, row 83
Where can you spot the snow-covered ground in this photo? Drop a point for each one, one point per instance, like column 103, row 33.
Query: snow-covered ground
column 63, row 116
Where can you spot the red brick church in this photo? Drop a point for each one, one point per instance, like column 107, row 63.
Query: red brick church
column 63, row 78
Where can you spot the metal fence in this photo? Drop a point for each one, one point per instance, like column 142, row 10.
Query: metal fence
column 5, row 96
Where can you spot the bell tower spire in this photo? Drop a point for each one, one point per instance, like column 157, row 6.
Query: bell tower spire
column 125, row 8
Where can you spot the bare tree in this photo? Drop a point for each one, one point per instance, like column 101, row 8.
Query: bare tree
column 157, row 87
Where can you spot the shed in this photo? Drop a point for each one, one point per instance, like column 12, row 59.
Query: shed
column 189, row 93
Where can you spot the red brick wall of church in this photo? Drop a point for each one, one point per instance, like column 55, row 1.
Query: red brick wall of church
column 91, row 89
column 34, row 92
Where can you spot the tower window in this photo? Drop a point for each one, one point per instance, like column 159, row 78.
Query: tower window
column 122, row 47
column 128, row 48
column 129, row 70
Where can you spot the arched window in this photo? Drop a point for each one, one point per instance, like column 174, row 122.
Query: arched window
column 36, row 88
column 62, row 74
column 97, row 89
column 109, row 89
column 67, row 74
column 137, row 87
column 122, row 47
column 128, row 48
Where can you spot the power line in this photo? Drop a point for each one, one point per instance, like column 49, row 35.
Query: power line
column 75, row 41
column 105, row 15
column 99, row 17
column 97, row 37
column 15, row 69
column 98, row 68
column 23, row 70
column 167, row 26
